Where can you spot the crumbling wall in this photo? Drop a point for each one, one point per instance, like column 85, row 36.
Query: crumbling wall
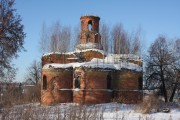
column 59, row 85
column 127, row 85
column 85, row 56
column 126, row 80
column 59, row 58
column 93, row 86
column 89, row 55
column 92, row 96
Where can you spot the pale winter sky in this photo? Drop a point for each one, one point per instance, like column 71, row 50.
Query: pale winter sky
column 155, row 17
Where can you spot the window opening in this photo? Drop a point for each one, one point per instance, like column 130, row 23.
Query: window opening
column 77, row 82
column 90, row 25
column 109, row 81
column 44, row 83
column 140, row 83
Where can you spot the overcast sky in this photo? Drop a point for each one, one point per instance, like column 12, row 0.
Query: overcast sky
column 155, row 17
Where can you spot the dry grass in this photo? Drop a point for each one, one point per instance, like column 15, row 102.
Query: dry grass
column 70, row 111
column 153, row 103
column 150, row 104
column 14, row 108
column 31, row 112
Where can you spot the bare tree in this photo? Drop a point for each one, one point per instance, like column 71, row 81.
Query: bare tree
column 65, row 38
column 104, row 31
column 136, row 42
column 161, row 67
column 59, row 38
column 75, row 37
column 34, row 73
column 44, row 39
column 175, row 83
column 11, row 35
column 120, row 40
column 55, row 38
column 33, row 77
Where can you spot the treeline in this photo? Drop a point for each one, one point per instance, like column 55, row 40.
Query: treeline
column 60, row 38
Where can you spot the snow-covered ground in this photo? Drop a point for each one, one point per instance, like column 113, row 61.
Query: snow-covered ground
column 68, row 111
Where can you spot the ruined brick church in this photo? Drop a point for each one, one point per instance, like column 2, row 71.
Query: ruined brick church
column 89, row 75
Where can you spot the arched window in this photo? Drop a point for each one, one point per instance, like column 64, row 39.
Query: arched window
column 44, row 82
column 140, row 82
column 109, row 81
column 77, row 82
column 90, row 25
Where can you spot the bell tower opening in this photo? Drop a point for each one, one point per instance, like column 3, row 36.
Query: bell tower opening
column 90, row 25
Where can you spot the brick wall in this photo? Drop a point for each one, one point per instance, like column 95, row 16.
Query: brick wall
column 59, row 58
column 57, row 79
column 92, row 96
column 93, row 86
column 126, row 84
column 85, row 56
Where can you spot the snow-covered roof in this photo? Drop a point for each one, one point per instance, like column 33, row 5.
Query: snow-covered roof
column 50, row 53
column 117, row 58
column 75, row 52
column 97, row 63
column 111, row 61
column 88, row 46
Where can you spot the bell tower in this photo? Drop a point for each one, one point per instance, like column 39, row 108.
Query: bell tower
column 89, row 36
